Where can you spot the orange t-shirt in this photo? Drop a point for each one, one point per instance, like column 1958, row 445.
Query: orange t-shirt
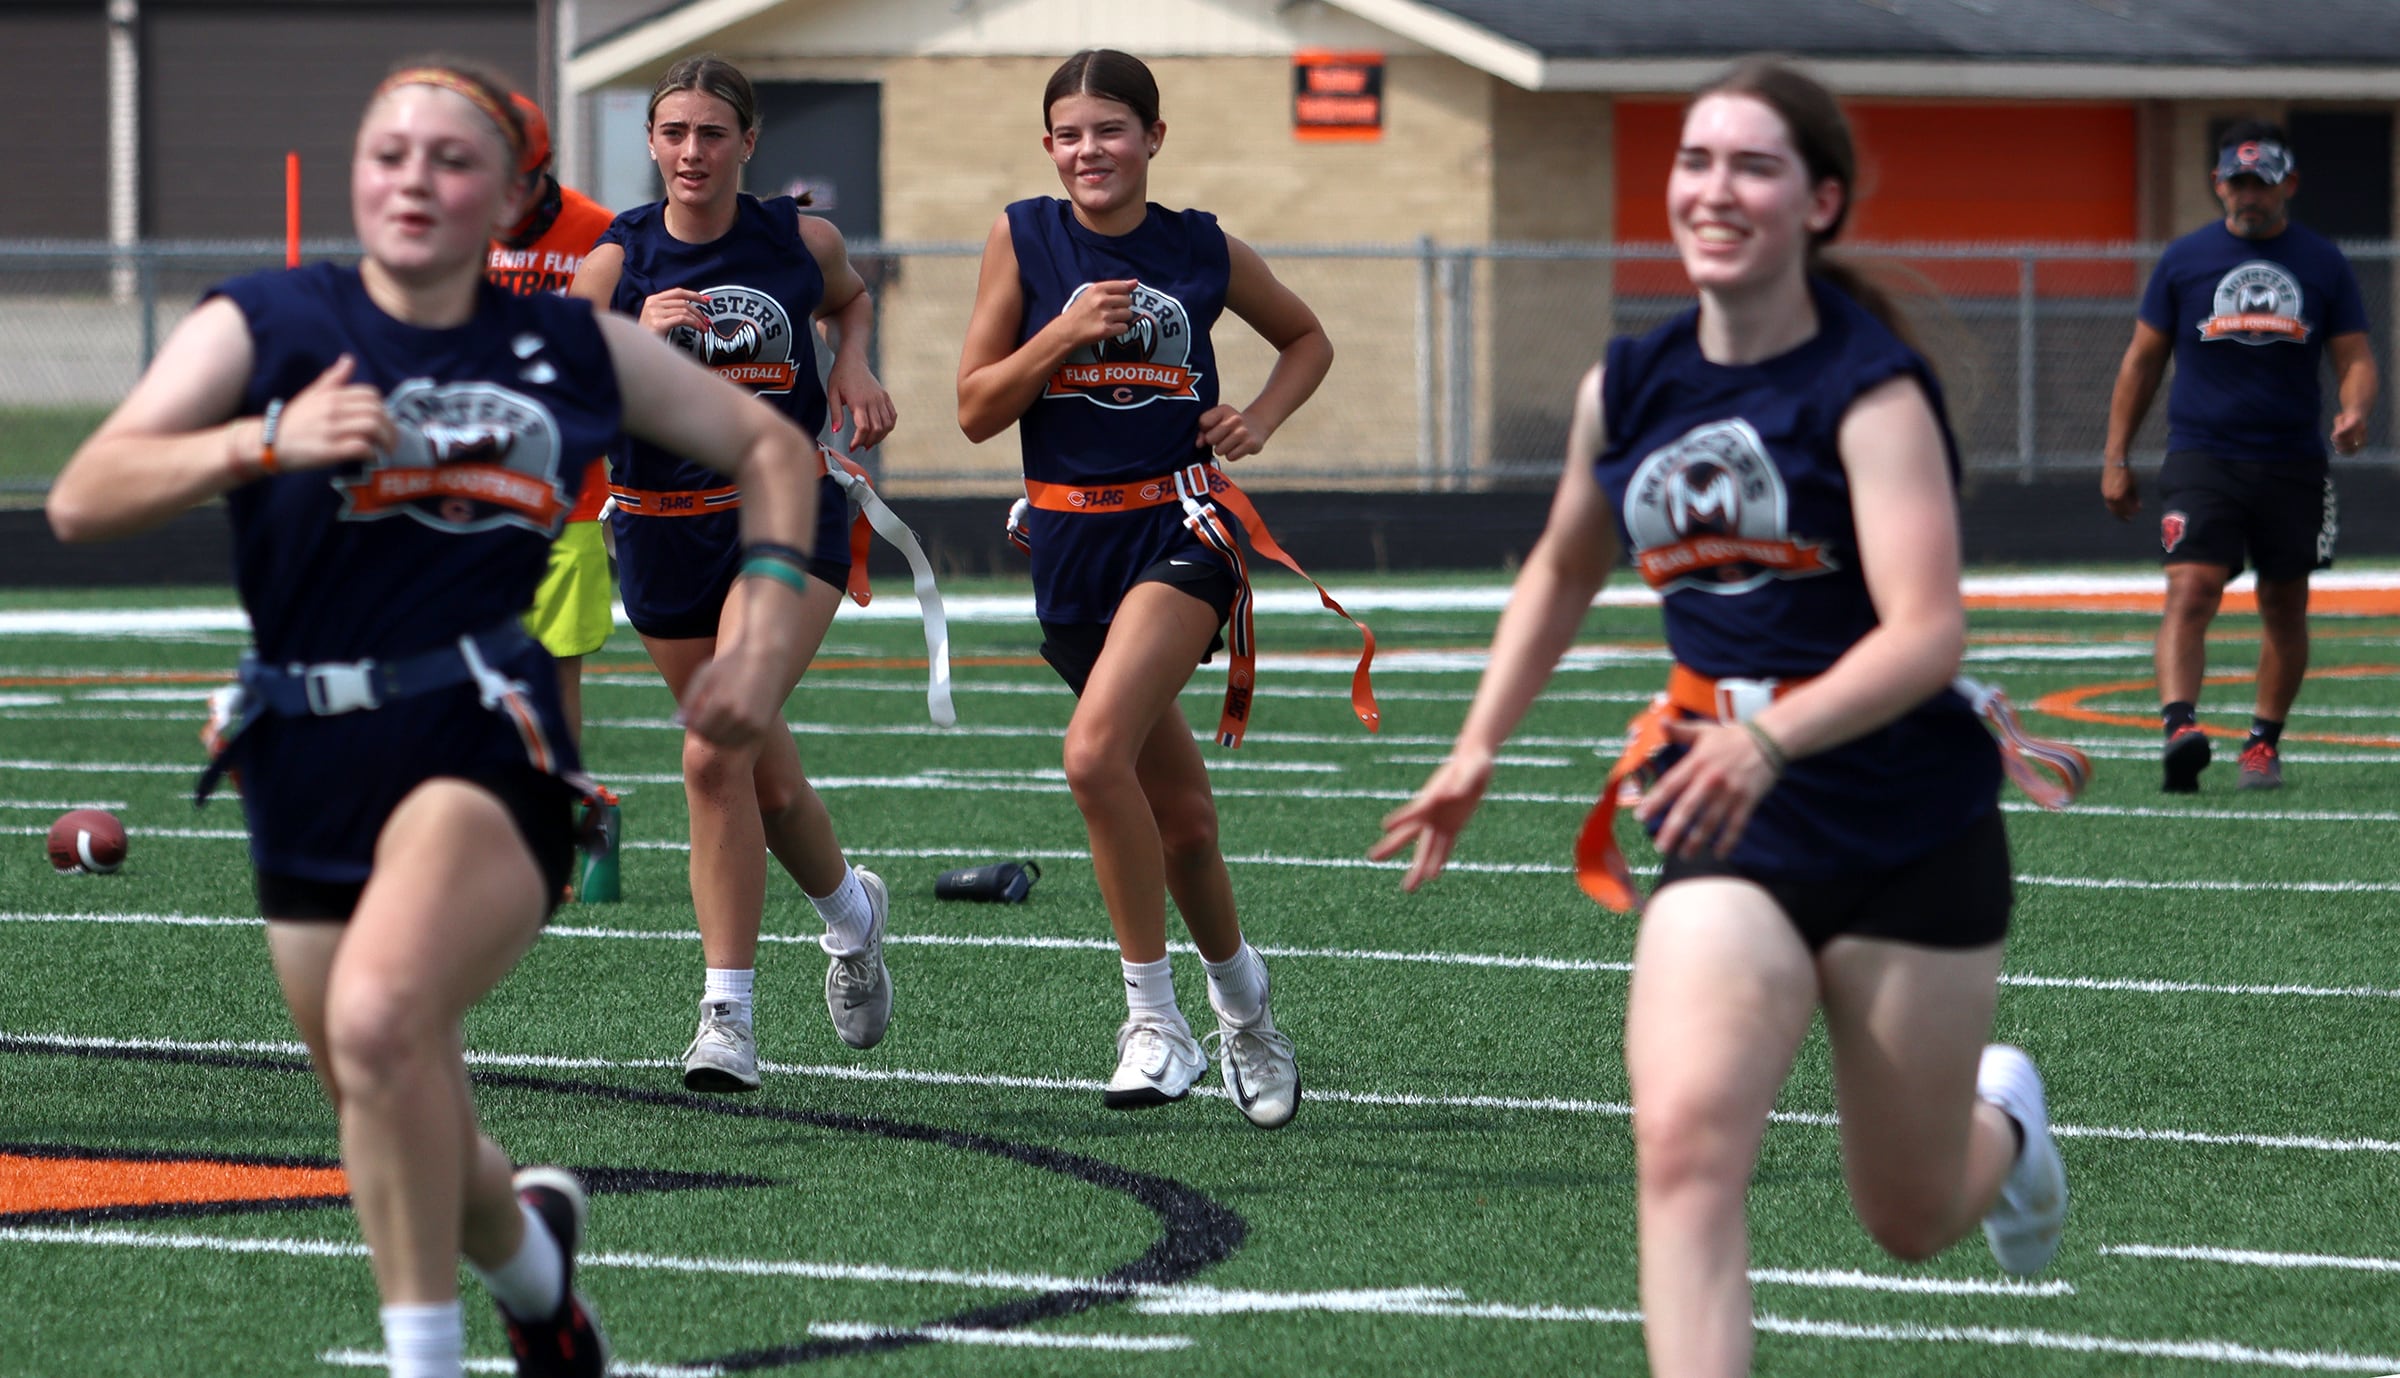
column 547, row 263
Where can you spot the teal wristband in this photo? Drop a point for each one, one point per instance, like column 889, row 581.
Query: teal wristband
column 769, row 567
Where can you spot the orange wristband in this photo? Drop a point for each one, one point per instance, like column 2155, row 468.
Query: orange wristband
column 266, row 436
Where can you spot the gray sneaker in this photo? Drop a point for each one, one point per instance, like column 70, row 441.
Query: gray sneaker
column 1261, row 1073
column 858, row 986
column 723, row 1055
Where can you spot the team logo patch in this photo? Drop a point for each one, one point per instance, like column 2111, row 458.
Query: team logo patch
column 472, row 457
column 1707, row 511
column 748, row 341
column 1149, row 362
column 2170, row 530
column 2257, row 303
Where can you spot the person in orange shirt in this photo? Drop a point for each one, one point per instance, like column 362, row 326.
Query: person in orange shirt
column 571, row 615
column 540, row 254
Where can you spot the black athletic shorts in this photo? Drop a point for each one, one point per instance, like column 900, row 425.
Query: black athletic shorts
column 1073, row 648
column 1956, row 896
column 542, row 805
column 2216, row 511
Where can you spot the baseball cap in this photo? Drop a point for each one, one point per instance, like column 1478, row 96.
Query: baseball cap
column 2265, row 159
column 537, row 135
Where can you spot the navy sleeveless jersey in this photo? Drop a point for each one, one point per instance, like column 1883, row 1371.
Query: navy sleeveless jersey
column 1123, row 410
column 382, row 559
column 1733, row 503
column 763, row 288
column 2249, row 319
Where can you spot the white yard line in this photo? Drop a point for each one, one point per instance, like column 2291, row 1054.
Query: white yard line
column 2251, row 1258
column 1047, row 943
column 1087, row 1086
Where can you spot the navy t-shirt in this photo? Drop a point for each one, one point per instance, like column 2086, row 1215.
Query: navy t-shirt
column 2250, row 318
column 450, row 534
column 1732, row 500
column 1123, row 410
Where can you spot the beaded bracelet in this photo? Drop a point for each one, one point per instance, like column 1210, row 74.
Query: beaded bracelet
column 268, row 424
column 1767, row 748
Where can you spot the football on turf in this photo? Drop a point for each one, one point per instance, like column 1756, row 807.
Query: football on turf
column 87, row 840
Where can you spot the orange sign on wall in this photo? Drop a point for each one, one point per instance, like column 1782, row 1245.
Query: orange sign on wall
column 1337, row 96
column 1947, row 172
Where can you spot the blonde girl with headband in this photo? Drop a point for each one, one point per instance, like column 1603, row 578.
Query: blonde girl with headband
column 398, row 443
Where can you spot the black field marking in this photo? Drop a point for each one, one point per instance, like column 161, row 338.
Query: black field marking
column 1195, row 1231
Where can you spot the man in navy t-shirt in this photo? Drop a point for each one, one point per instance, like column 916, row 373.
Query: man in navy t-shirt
column 2247, row 307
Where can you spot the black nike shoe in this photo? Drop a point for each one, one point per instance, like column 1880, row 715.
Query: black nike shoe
column 567, row 1343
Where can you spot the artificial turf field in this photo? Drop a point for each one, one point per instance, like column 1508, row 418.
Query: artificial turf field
column 2207, row 982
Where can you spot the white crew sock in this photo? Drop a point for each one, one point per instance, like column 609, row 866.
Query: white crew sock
column 1150, row 986
column 1237, row 986
column 849, row 918
column 533, row 1282
column 425, row 1341
column 730, row 983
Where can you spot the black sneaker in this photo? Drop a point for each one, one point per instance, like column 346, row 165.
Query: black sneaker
column 2186, row 756
column 567, row 1344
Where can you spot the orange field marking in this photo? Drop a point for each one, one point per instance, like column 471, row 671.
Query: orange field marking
column 85, row 1184
column 114, row 679
column 2340, row 602
column 2068, row 704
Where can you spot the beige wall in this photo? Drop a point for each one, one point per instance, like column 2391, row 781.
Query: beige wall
column 1230, row 150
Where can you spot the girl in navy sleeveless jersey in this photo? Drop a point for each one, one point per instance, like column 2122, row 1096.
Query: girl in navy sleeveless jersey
column 1779, row 464
column 398, row 444
column 1091, row 334
column 739, row 283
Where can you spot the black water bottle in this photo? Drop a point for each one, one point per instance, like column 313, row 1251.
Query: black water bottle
column 1001, row 882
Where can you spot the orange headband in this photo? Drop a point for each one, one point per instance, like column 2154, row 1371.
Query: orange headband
column 448, row 80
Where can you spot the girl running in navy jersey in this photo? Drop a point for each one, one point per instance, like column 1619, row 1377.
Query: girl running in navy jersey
column 738, row 282
column 1091, row 334
column 1779, row 463
column 398, row 444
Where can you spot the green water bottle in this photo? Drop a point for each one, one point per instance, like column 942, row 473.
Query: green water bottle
column 601, row 830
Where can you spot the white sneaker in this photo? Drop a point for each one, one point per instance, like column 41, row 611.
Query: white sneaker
column 858, row 987
column 2025, row 1224
column 1261, row 1072
column 723, row 1055
column 1157, row 1062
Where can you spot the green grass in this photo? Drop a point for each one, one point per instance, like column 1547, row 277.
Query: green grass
column 1506, row 1181
column 36, row 441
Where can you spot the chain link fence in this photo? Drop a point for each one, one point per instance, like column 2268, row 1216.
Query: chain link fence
column 1454, row 371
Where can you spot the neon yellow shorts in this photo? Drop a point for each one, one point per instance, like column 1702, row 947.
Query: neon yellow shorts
column 571, row 610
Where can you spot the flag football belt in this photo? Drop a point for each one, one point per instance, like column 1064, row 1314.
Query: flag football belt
column 2050, row 773
column 869, row 514
column 332, row 688
column 701, row 502
column 1199, row 488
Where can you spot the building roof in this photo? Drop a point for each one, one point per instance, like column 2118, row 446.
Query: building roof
column 2139, row 32
column 2106, row 49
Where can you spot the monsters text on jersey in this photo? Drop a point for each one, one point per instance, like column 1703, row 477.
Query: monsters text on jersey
column 748, row 341
column 471, row 457
column 1149, row 362
column 2256, row 303
column 1708, row 511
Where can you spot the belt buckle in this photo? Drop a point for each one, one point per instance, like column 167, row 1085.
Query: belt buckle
column 1193, row 479
column 1740, row 700
column 343, row 687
